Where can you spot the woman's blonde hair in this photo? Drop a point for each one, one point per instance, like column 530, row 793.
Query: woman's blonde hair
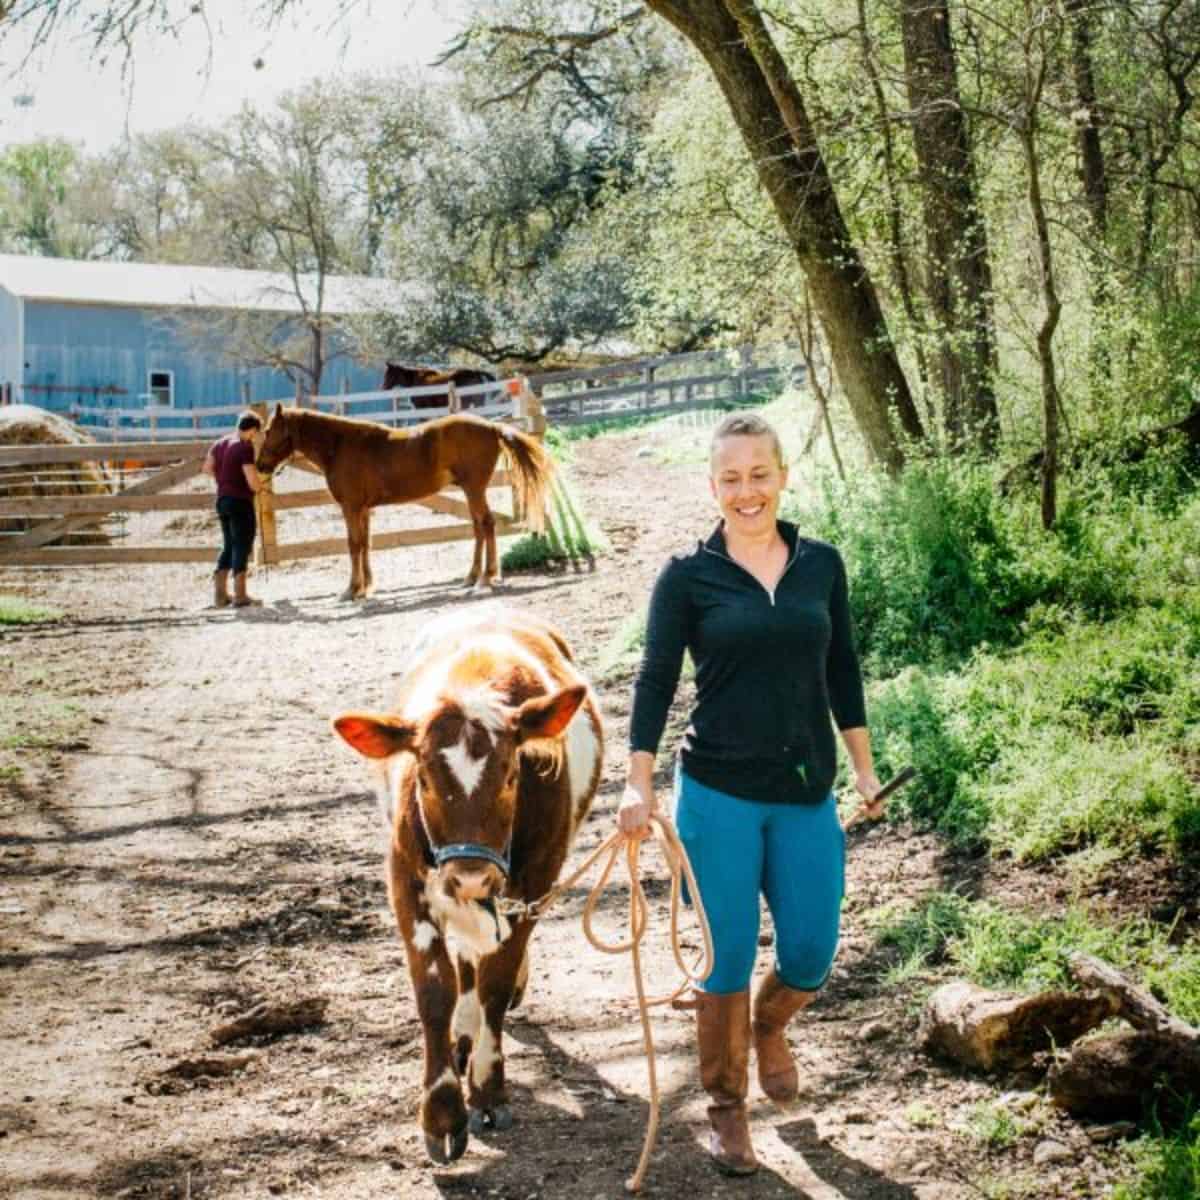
column 744, row 425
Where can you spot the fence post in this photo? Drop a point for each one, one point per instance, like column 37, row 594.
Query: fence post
column 453, row 397
column 268, row 542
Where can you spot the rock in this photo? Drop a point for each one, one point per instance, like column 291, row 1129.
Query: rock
column 1108, row 1078
column 990, row 1030
column 874, row 1031
column 644, row 452
column 1050, row 1151
column 1112, row 1133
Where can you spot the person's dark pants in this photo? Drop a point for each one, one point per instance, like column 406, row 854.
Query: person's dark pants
column 238, row 528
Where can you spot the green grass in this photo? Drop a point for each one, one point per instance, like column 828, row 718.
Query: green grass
column 918, row 933
column 994, row 1125
column 1165, row 1166
column 32, row 723
column 568, row 536
column 16, row 611
column 998, row 948
column 1085, row 738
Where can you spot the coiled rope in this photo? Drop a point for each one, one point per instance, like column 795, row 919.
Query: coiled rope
column 629, row 846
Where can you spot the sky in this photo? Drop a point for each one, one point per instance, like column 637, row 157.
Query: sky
column 205, row 73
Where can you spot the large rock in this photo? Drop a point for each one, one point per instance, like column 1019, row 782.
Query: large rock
column 993, row 1030
column 1108, row 1078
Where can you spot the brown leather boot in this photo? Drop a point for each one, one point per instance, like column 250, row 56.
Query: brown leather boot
column 774, row 1006
column 220, row 589
column 723, row 1032
column 241, row 599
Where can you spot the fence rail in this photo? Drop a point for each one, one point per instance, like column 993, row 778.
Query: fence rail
column 175, row 463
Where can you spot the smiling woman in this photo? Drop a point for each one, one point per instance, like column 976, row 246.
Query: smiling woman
column 764, row 613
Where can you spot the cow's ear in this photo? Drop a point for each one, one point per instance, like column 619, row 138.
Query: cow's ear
column 548, row 716
column 375, row 735
column 278, row 408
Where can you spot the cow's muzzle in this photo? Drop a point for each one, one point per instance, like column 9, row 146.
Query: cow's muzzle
column 469, row 879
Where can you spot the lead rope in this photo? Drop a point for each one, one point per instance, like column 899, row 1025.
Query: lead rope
column 680, row 869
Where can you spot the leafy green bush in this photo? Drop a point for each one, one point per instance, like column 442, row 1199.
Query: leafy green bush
column 940, row 563
column 1088, row 737
column 1167, row 1167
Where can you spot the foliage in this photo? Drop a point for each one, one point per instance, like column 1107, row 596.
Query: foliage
column 918, row 933
column 568, row 537
column 1166, row 1166
column 14, row 610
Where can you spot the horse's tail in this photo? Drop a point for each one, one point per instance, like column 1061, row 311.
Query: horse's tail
column 532, row 473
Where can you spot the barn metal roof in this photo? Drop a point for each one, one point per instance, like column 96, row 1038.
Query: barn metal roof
column 165, row 285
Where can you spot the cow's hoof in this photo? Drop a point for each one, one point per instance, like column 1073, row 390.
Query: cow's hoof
column 448, row 1148
column 483, row 1120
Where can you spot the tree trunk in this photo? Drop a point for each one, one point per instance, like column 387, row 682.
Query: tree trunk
column 1087, row 122
column 1053, row 307
column 770, row 113
column 901, row 277
column 958, row 274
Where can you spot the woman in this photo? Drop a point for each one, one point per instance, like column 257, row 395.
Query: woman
column 230, row 461
column 764, row 613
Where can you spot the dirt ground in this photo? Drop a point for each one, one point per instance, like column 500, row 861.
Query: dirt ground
column 201, row 844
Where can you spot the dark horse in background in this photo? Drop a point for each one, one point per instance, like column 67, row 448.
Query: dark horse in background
column 400, row 375
column 366, row 464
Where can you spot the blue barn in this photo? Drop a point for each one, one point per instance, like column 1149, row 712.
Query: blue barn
column 80, row 338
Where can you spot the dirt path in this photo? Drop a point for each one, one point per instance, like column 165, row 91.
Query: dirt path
column 203, row 844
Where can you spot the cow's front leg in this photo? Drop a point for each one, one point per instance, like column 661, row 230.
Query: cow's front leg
column 487, row 1095
column 464, row 1032
column 443, row 1114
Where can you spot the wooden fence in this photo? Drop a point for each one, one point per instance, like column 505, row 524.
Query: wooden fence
column 668, row 383
column 170, row 462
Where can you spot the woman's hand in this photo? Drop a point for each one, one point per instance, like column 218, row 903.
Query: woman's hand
column 637, row 806
column 867, row 784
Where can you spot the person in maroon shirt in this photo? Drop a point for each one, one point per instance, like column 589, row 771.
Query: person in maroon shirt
column 230, row 462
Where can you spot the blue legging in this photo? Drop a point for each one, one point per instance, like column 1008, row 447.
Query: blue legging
column 795, row 854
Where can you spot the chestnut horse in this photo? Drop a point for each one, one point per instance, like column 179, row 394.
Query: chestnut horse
column 400, row 375
column 485, row 767
column 366, row 464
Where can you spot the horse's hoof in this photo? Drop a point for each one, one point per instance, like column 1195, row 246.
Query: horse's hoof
column 483, row 1120
column 448, row 1148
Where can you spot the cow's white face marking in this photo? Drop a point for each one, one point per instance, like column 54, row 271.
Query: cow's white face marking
column 433, row 970
column 467, row 769
column 424, row 936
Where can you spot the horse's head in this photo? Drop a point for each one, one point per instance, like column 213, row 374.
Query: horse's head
column 467, row 775
column 277, row 444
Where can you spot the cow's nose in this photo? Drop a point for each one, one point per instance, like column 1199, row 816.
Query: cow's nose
column 475, row 882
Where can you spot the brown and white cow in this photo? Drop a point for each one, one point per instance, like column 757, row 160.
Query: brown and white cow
column 485, row 768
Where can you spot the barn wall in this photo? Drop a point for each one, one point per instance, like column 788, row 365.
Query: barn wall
column 71, row 348
column 10, row 343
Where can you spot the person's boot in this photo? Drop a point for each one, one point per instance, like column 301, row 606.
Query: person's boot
column 774, row 1006
column 220, row 589
column 723, row 1034
column 241, row 598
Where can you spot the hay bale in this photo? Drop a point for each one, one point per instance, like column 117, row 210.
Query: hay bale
column 27, row 425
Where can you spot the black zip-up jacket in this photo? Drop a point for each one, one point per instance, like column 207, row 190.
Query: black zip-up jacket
column 769, row 670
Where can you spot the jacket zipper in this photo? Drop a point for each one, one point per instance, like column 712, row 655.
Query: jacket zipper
column 770, row 593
